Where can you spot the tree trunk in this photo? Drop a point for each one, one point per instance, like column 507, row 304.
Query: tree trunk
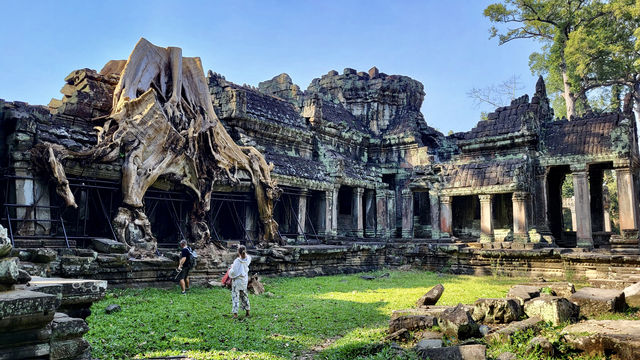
column 569, row 97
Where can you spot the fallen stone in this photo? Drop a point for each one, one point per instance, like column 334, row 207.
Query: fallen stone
column 632, row 295
column 428, row 344
column 484, row 330
column 22, row 309
column 505, row 333
column 412, row 322
column 68, row 349
column 9, row 271
column 112, row 308
column 594, row 301
column 255, row 286
column 23, row 277
column 108, row 246
column 44, row 255
column 542, row 343
column 619, row 339
column 496, row 311
column 507, row 356
column 523, row 293
column 368, row 277
column 431, row 297
column 65, row 327
column 214, row 283
column 400, row 335
column 457, row 322
column 464, row 352
column 385, row 275
column 404, row 267
column 5, row 242
column 558, row 288
column 555, row 309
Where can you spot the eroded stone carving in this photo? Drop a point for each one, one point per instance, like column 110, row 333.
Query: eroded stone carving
column 162, row 123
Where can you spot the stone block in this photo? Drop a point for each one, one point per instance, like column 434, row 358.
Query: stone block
column 108, row 246
column 463, row 352
column 412, row 322
column 632, row 295
column 618, row 339
column 555, row 309
column 16, row 338
column 34, row 351
column 68, row 349
column 431, row 297
column 523, row 293
column 75, row 291
column 22, row 309
column 458, row 323
column 559, row 288
column 5, row 242
column 542, row 343
column 428, row 344
column 9, row 271
column 497, row 311
column 43, row 255
column 65, row 327
column 506, row 332
column 594, row 301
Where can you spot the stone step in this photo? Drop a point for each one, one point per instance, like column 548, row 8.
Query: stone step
column 47, row 243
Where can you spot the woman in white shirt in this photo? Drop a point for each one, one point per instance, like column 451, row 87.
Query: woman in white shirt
column 239, row 274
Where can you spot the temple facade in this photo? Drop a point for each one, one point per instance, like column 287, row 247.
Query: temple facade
column 356, row 161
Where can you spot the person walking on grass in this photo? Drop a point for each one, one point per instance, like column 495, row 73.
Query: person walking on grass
column 239, row 274
column 184, row 266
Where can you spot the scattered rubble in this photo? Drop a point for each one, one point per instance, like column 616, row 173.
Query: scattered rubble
column 431, row 297
column 593, row 301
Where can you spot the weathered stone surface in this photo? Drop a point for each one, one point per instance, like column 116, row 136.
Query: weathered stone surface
column 457, row 322
column 400, row 335
column 507, row 356
column 496, row 311
column 434, row 311
column 552, row 308
column 5, row 242
column 65, row 327
column 594, row 301
column 20, row 309
column 16, row 338
column 632, row 295
column 619, row 339
column 523, row 293
column 428, row 344
column 112, row 308
column 108, row 246
column 558, row 288
column 431, row 297
column 34, row 351
column 255, row 286
column 464, row 352
column 505, row 333
column 68, row 349
column 542, row 343
column 23, row 277
column 9, row 271
column 43, row 255
column 412, row 322
column 74, row 291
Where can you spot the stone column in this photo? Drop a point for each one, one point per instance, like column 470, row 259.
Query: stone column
column 574, row 222
column 627, row 204
column 302, row 214
column 407, row 213
column 382, row 230
column 520, row 224
column 584, row 237
column 486, row 218
column 542, row 222
column 331, row 212
column 434, row 203
column 445, row 216
column 391, row 213
column 321, row 212
column 358, row 216
column 370, row 213
column 606, row 207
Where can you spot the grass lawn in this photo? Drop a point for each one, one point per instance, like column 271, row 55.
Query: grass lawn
column 332, row 317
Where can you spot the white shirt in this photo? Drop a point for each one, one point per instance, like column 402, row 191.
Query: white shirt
column 240, row 272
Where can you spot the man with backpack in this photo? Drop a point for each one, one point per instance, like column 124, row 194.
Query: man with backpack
column 187, row 262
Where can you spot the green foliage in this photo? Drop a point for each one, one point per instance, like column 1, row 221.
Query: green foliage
column 302, row 315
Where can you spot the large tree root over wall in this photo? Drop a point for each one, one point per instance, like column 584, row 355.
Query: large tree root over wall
column 163, row 124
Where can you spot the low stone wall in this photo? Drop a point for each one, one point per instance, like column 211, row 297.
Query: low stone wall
column 315, row 260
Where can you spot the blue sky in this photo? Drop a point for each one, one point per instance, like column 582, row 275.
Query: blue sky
column 443, row 44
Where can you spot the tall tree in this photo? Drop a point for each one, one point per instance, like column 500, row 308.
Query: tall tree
column 552, row 22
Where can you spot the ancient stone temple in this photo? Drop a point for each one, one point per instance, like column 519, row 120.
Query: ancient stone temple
column 148, row 156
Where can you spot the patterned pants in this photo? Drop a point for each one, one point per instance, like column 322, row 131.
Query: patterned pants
column 238, row 297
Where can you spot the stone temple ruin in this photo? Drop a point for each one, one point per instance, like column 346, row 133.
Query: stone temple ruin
column 343, row 176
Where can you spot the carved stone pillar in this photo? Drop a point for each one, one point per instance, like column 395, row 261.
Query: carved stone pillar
column 584, row 236
column 382, row 230
column 323, row 224
column 520, row 223
column 486, row 218
column 358, row 216
column 370, row 213
column 407, row 213
column 541, row 206
column 627, row 204
column 391, row 213
column 445, row 216
column 302, row 215
column 331, row 197
column 434, row 203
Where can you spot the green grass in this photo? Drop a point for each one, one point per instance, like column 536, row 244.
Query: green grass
column 297, row 320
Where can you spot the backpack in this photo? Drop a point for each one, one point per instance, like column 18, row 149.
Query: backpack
column 193, row 257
